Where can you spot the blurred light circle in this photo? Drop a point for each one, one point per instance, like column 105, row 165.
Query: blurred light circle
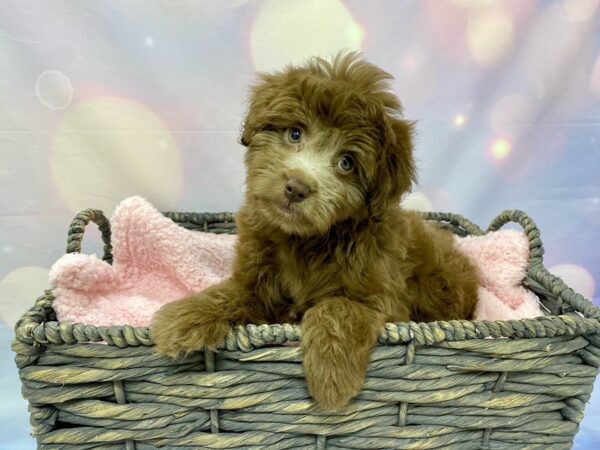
column 510, row 111
column 578, row 10
column 446, row 24
column 414, row 79
column 410, row 61
column 417, row 201
column 19, row 289
column 290, row 31
column 576, row 277
column 54, row 89
column 500, row 149
column 490, row 36
column 106, row 149
column 595, row 78
column 459, row 120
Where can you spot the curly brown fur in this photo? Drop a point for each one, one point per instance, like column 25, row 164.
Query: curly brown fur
column 343, row 258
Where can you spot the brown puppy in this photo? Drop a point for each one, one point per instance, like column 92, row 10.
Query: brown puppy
column 322, row 240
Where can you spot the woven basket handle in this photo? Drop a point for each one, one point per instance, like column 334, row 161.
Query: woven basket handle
column 77, row 228
column 536, row 248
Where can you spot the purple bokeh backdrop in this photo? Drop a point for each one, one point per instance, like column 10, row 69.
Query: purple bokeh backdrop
column 102, row 100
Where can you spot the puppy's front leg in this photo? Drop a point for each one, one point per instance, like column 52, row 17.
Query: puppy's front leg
column 338, row 335
column 201, row 319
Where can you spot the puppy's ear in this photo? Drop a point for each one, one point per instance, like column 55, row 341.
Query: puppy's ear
column 249, row 125
column 245, row 136
column 260, row 99
column 396, row 169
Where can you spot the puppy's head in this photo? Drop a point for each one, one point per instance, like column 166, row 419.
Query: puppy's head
column 326, row 143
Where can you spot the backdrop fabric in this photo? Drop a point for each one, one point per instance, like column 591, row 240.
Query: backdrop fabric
column 103, row 100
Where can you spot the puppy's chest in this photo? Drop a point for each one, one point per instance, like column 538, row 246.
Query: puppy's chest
column 306, row 276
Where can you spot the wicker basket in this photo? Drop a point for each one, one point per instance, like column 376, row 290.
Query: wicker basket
column 429, row 385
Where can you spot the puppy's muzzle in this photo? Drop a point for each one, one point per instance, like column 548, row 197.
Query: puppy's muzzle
column 296, row 191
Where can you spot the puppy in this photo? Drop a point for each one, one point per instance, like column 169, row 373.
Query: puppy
column 322, row 239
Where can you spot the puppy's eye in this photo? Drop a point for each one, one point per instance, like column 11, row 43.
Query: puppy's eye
column 346, row 164
column 294, row 135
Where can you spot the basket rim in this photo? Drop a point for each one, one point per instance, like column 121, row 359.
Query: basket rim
column 250, row 337
column 35, row 328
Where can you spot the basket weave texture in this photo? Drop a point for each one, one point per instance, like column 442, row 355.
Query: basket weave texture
column 442, row 385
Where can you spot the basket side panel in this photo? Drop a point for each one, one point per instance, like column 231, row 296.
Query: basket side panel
column 487, row 393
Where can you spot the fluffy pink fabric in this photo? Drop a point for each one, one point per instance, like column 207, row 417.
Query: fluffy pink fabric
column 156, row 261
column 501, row 258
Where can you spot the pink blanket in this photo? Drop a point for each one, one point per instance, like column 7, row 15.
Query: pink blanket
column 156, row 261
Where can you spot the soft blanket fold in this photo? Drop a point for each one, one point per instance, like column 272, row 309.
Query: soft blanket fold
column 156, row 261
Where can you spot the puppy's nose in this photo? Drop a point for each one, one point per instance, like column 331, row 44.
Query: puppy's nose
column 296, row 190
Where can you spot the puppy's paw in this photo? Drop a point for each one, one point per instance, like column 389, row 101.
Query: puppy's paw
column 188, row 325
column 337, row 337
column 332, row 382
